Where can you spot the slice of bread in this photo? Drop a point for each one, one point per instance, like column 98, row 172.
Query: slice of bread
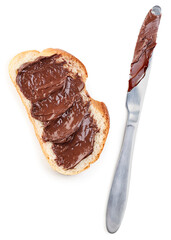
column 98, row 109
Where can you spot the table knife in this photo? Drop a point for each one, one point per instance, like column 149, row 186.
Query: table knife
column 120, row 185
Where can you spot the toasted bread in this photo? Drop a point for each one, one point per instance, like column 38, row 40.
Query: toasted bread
column 98, row 109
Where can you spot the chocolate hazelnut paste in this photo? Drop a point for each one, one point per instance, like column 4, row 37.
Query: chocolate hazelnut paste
column 57, row 102
column 144, row 48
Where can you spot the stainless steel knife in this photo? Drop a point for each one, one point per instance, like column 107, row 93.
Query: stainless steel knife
column 120, row 185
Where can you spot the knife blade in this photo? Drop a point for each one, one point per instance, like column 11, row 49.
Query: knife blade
column 139, row 75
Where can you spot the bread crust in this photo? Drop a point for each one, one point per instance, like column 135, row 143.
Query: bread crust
column 96, row 106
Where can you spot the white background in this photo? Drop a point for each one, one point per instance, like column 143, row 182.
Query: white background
column 38, row 203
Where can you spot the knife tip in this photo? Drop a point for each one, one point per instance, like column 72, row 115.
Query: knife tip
column 156, row 10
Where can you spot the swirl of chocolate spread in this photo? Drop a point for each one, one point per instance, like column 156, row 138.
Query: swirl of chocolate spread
column 144, row 48
column 57, row 102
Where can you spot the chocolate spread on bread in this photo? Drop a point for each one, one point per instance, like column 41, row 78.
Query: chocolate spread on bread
column 144, row 48
column 56, row 101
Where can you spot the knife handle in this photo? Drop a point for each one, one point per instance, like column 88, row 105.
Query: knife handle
column 120, row 185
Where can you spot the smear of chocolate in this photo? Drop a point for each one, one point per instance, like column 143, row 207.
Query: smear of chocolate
column 60, row 130
column 57, row 102
column 80, row 147
column 144, row 48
